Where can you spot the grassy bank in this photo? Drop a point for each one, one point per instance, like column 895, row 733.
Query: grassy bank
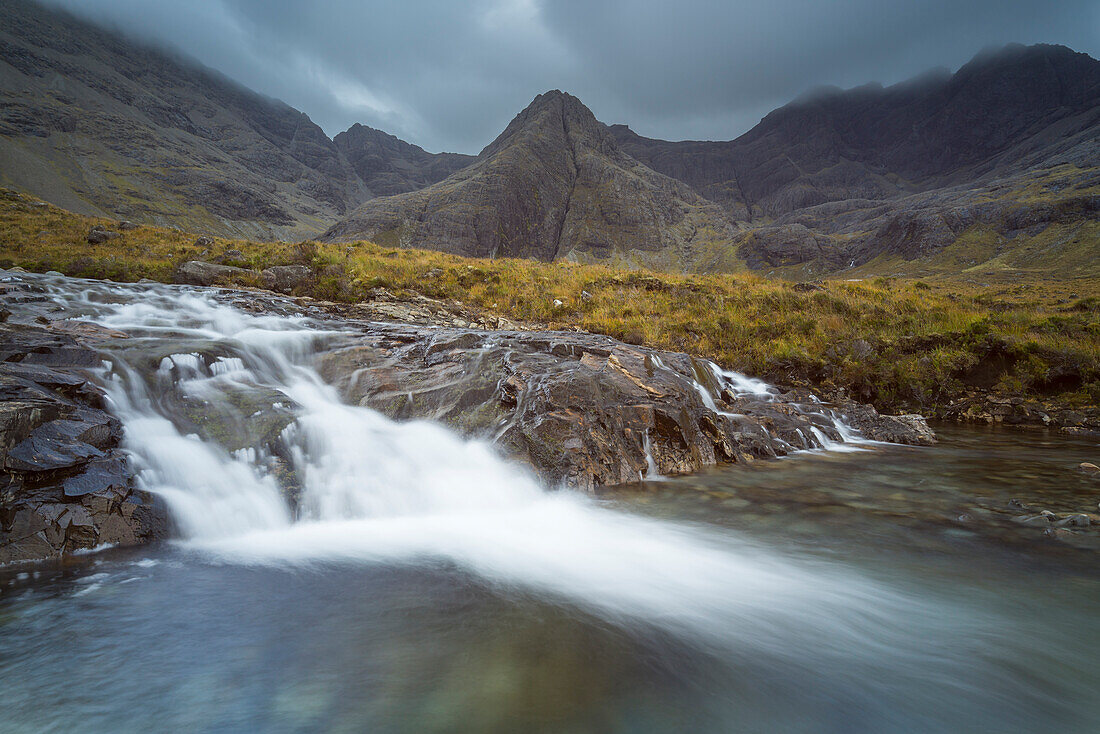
column 901, row 344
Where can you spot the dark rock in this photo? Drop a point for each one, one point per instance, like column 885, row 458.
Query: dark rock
column 98, row 235
column 64, row 485
column 125, row 225
column 581, row 408
column 97, row 477
column 907, row 429
column 197, row 272
column 285, row 278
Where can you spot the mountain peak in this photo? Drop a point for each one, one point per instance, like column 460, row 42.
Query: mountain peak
column 553, row 184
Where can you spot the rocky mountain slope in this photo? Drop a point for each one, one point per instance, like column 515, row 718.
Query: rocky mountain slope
column 554, row 184
column 991, row 170
column 100, row 124
column 388, row 165
column 1008, row 144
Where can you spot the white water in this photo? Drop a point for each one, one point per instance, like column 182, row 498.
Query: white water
column 374, row 490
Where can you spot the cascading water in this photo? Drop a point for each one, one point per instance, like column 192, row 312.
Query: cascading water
column 374, row 490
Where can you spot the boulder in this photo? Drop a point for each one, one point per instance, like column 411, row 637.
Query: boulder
column 285, row 278
column 98, row 235
column 197, row 272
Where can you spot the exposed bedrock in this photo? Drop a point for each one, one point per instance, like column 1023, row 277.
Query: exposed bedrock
column 586, row 410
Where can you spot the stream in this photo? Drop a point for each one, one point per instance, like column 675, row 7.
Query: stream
column 419, row 582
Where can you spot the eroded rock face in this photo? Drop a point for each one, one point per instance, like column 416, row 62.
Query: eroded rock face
column 584, row 410
column 64, row 483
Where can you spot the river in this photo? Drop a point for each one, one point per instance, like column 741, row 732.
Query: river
column 421, row 583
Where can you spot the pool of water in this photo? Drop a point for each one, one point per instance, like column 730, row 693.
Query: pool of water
column 882, row 591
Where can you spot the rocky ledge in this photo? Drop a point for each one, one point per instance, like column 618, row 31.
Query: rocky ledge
column 587, row 411
column 64, row 483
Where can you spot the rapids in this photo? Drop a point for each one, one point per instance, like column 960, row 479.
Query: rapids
column 372, row 492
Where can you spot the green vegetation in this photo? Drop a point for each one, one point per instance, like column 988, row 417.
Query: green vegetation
column 901, row 344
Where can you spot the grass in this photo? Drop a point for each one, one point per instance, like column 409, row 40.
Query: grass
column 902, row 344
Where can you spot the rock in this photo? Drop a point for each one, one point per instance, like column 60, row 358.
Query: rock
column 285, row 278
column 97, row 235
column 1089, row 468
column 205, row 242
column 908, row 429
column 125, row 225
column 197, row 272
column 233, row 255
column 64, row 484
column 808, row 287
column 586, row 296
column 579, row 408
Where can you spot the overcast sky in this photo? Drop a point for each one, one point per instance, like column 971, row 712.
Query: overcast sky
column 449, row 75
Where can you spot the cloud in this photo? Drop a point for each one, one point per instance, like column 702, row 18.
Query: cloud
column 449, row 75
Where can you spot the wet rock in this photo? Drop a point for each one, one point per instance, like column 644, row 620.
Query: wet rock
column 908, row 429
column 97, row 235
column 1088, row 468
column 285, row 278
column 580, row 408
column 197, row 272
column 64, row 483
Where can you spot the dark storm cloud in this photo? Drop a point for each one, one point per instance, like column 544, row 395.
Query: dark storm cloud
column 450, row 75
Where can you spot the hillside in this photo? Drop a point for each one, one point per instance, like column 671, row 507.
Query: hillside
column 101, row 124
column 388, row 165
column 554, row 184
column 940, row 347
column 1004, row 151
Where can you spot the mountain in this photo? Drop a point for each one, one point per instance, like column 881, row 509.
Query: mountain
column 995, row 167
column 1008, row 143
column 555, row 184
column 388, row 165
column 101, row 124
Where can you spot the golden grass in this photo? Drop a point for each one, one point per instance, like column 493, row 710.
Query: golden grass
column 902, row 344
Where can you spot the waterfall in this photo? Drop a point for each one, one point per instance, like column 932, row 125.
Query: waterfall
column 370, row 489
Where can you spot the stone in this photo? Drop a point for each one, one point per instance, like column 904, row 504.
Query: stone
column 64, row 485
column 197, row 272
column 98, row 235
column 579, row 408
column 125, row 225
column 1089, row 468
column 98, row 476
column 204, row 242
column 285, row 278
